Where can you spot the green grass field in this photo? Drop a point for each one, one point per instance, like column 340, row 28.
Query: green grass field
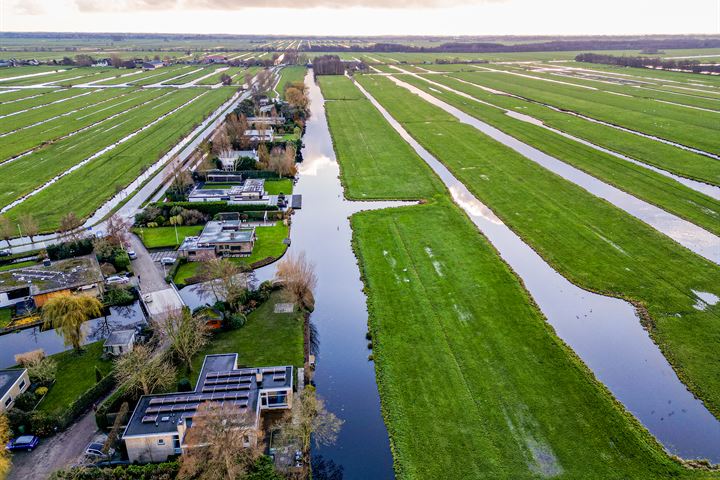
column 649, row 151
column 288, row 75
column 637, row 180
column 267, row 339
column 75, row 375
column 164, row 237
column 337, row 87
column 98, row 180
column 276, row 187
column 467, row 367
column 621, row 256
column 693, row 128
column 194, row 74
column 13, row 266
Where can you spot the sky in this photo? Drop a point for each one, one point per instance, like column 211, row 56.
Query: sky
column 365, row 17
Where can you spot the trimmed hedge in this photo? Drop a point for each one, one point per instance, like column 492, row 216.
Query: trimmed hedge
column 151, row 471
column 213, row 208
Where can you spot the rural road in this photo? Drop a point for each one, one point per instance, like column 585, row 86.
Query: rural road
column 151, row 279
column 64, row 449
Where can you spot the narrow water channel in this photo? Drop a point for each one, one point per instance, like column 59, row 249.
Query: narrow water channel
column 97, row 329
column 344, row 377
column 605, row 332
column 685, row 233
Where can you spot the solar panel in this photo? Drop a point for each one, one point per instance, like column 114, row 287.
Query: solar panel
column 149, row 419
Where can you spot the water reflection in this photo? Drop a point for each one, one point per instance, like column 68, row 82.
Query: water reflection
column 605, row 332
column 49, row 340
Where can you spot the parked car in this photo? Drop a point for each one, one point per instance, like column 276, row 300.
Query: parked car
column 116, row 279
column 5, row 253
column 25, row 442
column 167, row 260
column 132, row 254
column 95, row 449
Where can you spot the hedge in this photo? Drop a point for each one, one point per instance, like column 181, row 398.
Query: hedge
column 213, row 208
column 151, row 471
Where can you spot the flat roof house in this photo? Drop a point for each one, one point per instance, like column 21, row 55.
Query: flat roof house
column 229, row 159
column 153, row 64
column 39, row 283
column 260, row 135
column 159, row 424
column 13, row 382
column 224, row 238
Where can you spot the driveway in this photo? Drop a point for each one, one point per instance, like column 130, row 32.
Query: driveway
column 149, row 273
column 57, row 452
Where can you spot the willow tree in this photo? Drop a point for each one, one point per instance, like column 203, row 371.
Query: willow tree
column 67, row 313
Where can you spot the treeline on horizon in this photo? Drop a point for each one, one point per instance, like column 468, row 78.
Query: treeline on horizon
column 552, row 46
column 647, row 62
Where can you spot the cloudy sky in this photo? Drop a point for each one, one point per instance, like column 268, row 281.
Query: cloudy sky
column 365, row 17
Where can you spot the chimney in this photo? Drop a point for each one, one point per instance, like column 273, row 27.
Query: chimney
column 259, row 377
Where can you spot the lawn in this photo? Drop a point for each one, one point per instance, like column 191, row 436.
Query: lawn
column 645, row 184
column 267, row 339
column 13, row 266
column 164, row 237
column 276, row 187
column 620, row 255
column 97, row 181
column 468, row 368
column 75, row 375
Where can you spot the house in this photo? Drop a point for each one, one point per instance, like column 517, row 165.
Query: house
column 229, row 159
column 266, row 135
column 152, row 65
column 119, row 342
column 13, row 382
column 224, row 238
column 39, row 283
column 276, row 120
column 159, row 424
column 103, row 62
column 161, row 304
column 251, row 189
column 215, row 59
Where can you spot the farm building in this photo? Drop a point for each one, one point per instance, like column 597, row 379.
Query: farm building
column 13, row 382
column 153, row 64
column 225, row 238
column 159, row 425
column 39, row 283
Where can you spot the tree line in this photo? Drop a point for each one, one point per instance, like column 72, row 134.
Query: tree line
column 648, row 62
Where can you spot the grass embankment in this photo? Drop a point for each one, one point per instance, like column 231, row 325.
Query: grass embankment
column 13, row 266
column 65, row 77
column 164, row 237
column 267, row 339
column 20, row 105
column 9, row 96
column 51, row 130
column 145, row 75
column 25, row 174
column 587, row 240
column 97, row 181
column 162, row 74
column 693, row 128
column 645, row 184
column 75, row 375
column 472, row 380
column 646, row 150
column 190, row 76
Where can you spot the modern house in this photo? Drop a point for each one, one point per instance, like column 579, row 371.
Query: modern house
column 159, row 425
column 271, row 120
column 251, row 191
column 13, row 382
column 39, row 283
column 228, row 160
column 224, row 238
column 260, row 135
column 119, row 342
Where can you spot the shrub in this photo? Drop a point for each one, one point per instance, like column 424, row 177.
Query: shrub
column 26, row 401
column 107, row 269
column 120, row 259
column 184, row 385
column 235, row 321
column 118, row 295
column 60, row 251
column 41, row 391
column 151, row 471
column 41, row 369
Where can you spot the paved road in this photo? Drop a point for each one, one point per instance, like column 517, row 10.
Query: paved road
column 145, row 268
column 57, row 452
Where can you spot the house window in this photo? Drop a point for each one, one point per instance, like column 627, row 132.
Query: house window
column 22, row 385
column 161, row 441
column 8, row 402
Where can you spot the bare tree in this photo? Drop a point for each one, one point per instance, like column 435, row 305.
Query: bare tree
column 223, row 279
column 308, row 420
column 118, row 230
column 223, row 443
column 7, row 229
column 140, row 371
column 221, row 143
column 69, row 224
column 29, row 226
column 41, row 369
column 297, row 276
column 187, row 335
